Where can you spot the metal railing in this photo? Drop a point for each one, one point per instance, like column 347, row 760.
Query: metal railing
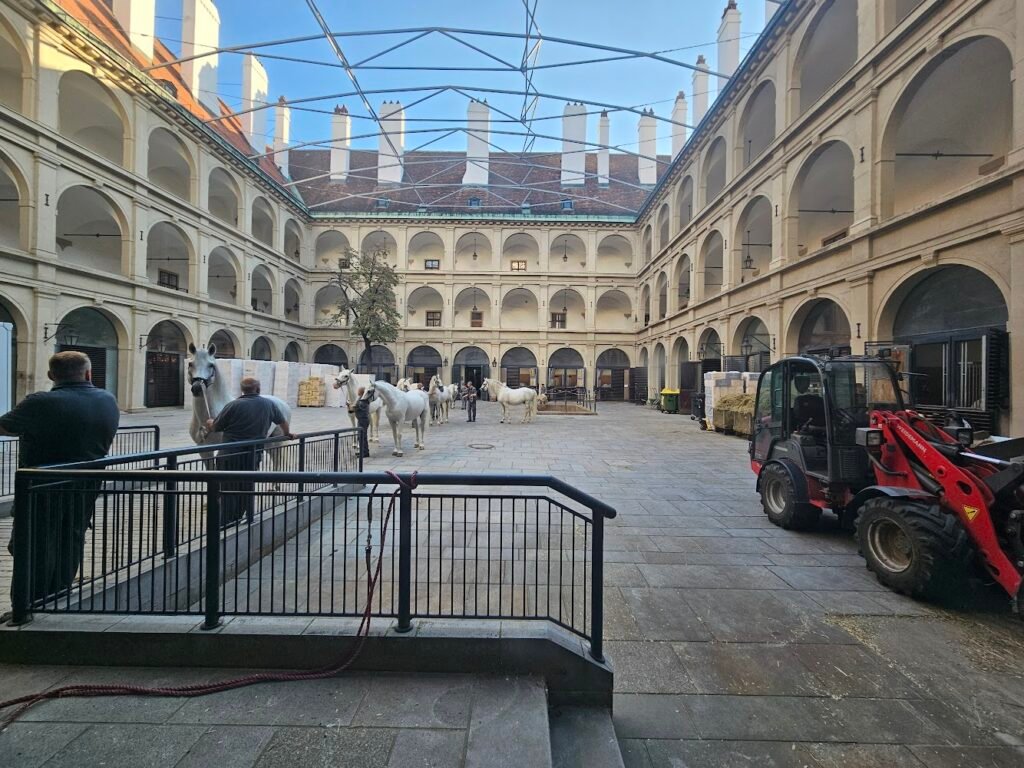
column 127, row 440
column 483, row 551
column 565, row 397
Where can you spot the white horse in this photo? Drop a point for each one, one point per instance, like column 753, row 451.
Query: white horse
column 401, row 407
column 507, row 397
column 440, row 398
column 210, row 394
column 345, row 380
column 407, row 385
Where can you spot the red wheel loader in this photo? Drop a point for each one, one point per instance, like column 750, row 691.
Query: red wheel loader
column 833, row 433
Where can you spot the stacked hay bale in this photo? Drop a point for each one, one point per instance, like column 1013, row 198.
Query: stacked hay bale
column 735, row 413
column 312, row 393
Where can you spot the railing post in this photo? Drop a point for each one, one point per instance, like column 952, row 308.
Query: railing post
column 171, row 511
column 404, row 559
column 212, row 611
column 597, row 588
column 302, row 461
column 337, row 452
column 359, row 452
column 21, row 583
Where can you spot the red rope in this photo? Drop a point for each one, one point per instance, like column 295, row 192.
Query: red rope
column 204, row 689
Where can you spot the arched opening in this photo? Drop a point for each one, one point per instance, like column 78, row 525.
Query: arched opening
column 757, row 128
column 820, row 325
column 383, row 246
column 293, row 301
column 472, row 309
column 10, row 209
column 426, row 251
column 168, row 257
column 614, row 311
column 612, row 375
column 422, row 364
column 10, row 369
column 645, row 304
column 568, row 254
column 425, row 308
column 714, row 170
column 754, row 239
column 378, row 363
column 89, row 115
column 828, row 51
column 12, row 65
column 165, row 350
column 711, row 259
column 662, row 287
column 664, row 227
column 659, row 368
column 823, row 198
column 222, row 276
column 328, row 306
column 640, row 391
column 520, row 253
column 710, row 352
column 89, row 231
column 93, row 333
column 931, row 149
column 331, row 354
column 473, row 251
column 519, row 368
column 292, row 352
column 261, row 349
column 896, row 11
column 519, row 309
column 689, row 373
column 648, row 245
column 263, row 222
column 959, row 348
column 683, row 281
column 685, row 204
column 471, row 364
column 332, row 250
column 566, row 370
column 222, row 196
column 225, row 343
column 168, row 164
column 568, row 311
column 754, row 345
column 261, row 296
column 614, row 254
column 292, row 240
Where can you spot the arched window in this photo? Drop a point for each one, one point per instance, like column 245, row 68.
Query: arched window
column 89, row 115
column 828, row 51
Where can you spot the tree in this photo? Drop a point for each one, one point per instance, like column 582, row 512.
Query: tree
column 367, row 284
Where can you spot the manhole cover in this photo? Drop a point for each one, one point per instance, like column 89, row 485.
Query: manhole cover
column 481, row 446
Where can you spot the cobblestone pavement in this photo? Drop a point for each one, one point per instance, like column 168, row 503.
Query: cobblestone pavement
column 735, row 642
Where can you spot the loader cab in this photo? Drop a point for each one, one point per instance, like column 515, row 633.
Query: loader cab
column 808, row 410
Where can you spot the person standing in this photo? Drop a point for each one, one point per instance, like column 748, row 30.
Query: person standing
column 74, row 421
column 249, row 417
column 362, row 411
column 470, row 398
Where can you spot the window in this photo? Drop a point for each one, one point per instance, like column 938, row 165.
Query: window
column 432, row 264
column 519, row 265
column 167, row 279
column 476, row 319
column 475, row 202
column 558, row 320
column 433, row 318
column 383, row 203
column 567, row 205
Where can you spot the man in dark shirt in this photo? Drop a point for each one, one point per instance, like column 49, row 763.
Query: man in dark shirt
column 74, row 421
column 248, row 418
column 470, row 399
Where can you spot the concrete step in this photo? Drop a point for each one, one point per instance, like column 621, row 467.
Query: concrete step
column 509, row 723
column 583, row 737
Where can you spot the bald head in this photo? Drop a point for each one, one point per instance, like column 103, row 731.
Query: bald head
column 70, row 367
column 250, row 385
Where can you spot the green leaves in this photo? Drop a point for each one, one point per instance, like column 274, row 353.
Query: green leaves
column 367, row 305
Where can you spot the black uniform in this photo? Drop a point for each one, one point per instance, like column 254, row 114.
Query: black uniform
column 248, row 418
column 72, row 422
column 362, row 408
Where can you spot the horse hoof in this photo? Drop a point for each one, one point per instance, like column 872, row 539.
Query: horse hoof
column 396, row 453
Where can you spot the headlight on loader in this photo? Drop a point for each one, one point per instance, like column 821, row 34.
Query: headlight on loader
column 869, row 438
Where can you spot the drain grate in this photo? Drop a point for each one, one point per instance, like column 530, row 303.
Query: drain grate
column 481, row 446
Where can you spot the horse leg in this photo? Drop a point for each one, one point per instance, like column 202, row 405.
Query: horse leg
column 396, row 432
column 504, row 413
column 374, row 436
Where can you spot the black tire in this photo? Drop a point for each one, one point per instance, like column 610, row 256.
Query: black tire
column 779, row 500
column 915, row 548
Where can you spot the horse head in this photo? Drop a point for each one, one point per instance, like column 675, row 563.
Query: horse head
column 369, row 392
column 202, row 368
column 342, row 378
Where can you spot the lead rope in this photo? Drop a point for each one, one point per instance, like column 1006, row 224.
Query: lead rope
column 24, row 703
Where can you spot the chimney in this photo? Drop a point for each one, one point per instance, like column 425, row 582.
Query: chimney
column 678, row 130
column 255, row 87
column 392, row 126
column 770, row 7
column 574, row 150
column 478, row 135
column 282, row 129
column 137, row 19
column 603, row 134
column 729, row 42
column 200, row 34
column 647, row 165
column 341, row 132
column 700, row 90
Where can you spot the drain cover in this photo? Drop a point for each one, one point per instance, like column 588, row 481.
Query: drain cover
column 481, row 446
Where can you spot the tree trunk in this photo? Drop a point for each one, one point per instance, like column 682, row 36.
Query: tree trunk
column 366, row 347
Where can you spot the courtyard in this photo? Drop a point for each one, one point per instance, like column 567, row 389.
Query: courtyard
column 733, row 642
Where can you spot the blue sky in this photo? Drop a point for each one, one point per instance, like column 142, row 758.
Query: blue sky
column 648, row 25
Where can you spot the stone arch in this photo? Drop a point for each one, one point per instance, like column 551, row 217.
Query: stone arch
column 472, row 309
column 293, row 295
column 664, row 227
column 757, row 125
column 828, row 50
column 226, row 343
column 17, row 340
column 566, row 369
column 292, row 240
column 614, row 254
column 822, row 197
column 683, row 280
column 473, row 251
column 753, row 239
column 169, row 257
column 648, row 245
column 568, row 303
column 662, row 293
column 14, row 65
column 169, row 164
column 471, row 364
column 425, row 308
column 422, row 363
column 567, row 253
column 326, row 306
column 714, row 170
column 331, row 354
column 383, row 245
column 102, row 336
column 645, row 304
column 712, row 263
column 426, row 251
column 710, row 346
column 262, row 290
column 645, row 366
column 262, row 349
column 222, row 196
column 520, row 253
column 222, row 275
column 292, row 352
column 332, row 247
column 821, row 323
column 379, row 363
column 660, row 378
column 89, row 114
column 519, row 309
column 684, row 202
column 680, row 351
column 614, row 311
column 166, row 346
column 519, row 367
column 91, row 230
column 15, row 210
column 923, row 134
column 751, row 337
column 263, row 221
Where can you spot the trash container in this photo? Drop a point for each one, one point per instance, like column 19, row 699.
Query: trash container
column 670, row 400
column 697, row 410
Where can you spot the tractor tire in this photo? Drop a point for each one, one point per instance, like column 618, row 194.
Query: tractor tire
column 915, row 548
column 780, row 501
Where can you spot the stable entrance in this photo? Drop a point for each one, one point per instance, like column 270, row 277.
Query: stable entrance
column 612, row 379
column 165, row 348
